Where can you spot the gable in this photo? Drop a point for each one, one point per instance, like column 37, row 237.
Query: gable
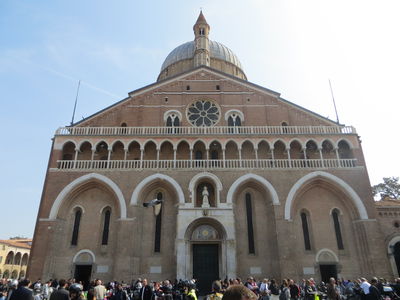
column 260, row 106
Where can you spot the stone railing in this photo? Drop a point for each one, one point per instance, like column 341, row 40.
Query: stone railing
column 217, row 130
column 207, row 164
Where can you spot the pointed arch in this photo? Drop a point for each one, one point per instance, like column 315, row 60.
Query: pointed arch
column 84, row 179
column 362, row 211
column 268, row 186
column 208, row 175
column 147, row 180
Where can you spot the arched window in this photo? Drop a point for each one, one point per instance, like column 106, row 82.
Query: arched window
column 106, row 226
column 250, row 230
column 234, row 121
column 10, row 258
column 338, row 232
column 157, row 233
column 306, row 233
column 75, row 230
column 173, row 120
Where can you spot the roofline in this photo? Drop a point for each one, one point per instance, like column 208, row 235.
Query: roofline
column 183, row 74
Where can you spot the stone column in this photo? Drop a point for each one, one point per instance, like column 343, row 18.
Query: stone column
column 76, row 156
column 321, row 156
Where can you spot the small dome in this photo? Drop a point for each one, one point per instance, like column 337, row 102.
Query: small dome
column 186, row 51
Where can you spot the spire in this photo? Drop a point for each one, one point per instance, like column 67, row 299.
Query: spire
column 202, row 44
column 201, row 19
column 201, row 23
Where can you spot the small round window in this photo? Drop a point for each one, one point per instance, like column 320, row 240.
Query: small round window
column 203, row 113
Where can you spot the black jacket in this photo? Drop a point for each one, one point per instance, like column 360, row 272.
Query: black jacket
column 145, row 293
column 60, row 294
column 22, row 293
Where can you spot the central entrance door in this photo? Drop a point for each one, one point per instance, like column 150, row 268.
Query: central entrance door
column 205, row 266
column 83, row 273
column 328, row 271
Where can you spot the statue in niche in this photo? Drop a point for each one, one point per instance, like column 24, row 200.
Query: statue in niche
column 205, row 195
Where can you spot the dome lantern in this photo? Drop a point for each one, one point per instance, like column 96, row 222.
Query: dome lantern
column 201, row 52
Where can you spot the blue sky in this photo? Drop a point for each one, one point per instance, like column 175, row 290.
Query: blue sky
column 292, row 47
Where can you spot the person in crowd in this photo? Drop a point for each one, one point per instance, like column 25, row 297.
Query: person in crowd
column 364, row 288
column 61, row 293
column 332, row 290
column 285, row 291
column 216, row 291
column 239, row 292
column 146, row 292
column 264, row 289
column 119, row 293
column 190, row 291
column 294, row 290
column 99, row 290
column 309, row 290
column 22, row 292
column 273, row 290
column 12, row 288
column 374, row 293
column 251, row 284
column 75, row 292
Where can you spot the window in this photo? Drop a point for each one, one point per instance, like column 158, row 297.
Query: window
column 75, row 231
column 234, row 121
column 306, row 233
column 214, row 154
column 188, row 87
column 217, row 87
column 335, row 217
column 250, row 231
column 157, row 234
column 203, row 113
column 201, row 31
column 106, row 227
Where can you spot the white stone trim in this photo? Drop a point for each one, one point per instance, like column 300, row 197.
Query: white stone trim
column 362, row 211
column 172, row 111
column 147, row 180
column 84, row 251
column 259, row 179
column 234, row 111
column 326, row 250
column 80, row 180
column 199, row 176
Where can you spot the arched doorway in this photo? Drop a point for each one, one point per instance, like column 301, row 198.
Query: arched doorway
column 396, row 254
column 206, row 256
column 83, row 265
column 328, row 264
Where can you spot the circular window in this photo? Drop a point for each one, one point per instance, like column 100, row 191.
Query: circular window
column 203, row 113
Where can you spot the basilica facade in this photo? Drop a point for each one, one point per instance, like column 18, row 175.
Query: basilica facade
column 249, row 183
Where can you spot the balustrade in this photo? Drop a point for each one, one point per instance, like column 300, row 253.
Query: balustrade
column 216, row 130
column 207, row 164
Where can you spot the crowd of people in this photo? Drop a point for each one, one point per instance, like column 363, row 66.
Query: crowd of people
column 233, row 289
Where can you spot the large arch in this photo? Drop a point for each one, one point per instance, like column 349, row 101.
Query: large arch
column 238, row 182
column 81, row 180
column 211, row 176
column 391, row 254
column 84, row 251
column 158, row 176
column 362, row 211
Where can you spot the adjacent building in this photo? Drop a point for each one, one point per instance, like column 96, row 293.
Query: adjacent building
column 14, row 256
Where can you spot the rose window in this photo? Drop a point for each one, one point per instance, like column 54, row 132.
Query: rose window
column 203, row 113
